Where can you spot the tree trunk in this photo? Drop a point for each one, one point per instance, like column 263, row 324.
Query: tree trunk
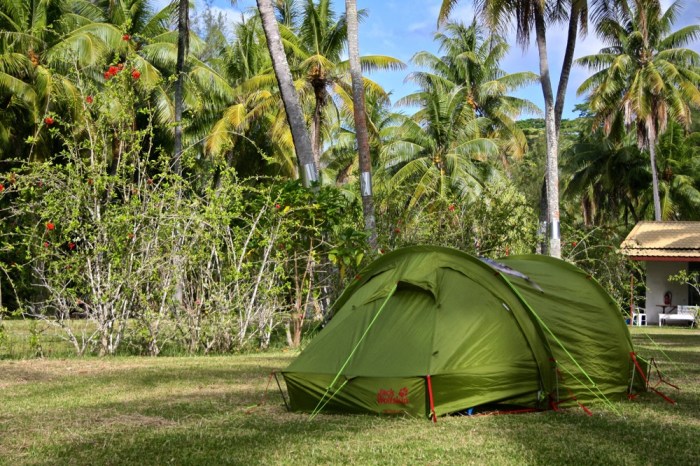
column 183, row 31
column 551, row 133
column 542, row 243
column 654, row 178
column 358, row 98
column 320, row 102
column 183, row 43
column 295, row 117
column 567, row 63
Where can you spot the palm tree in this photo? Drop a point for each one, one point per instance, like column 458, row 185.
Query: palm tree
column 360, row 118
column 440, row 152
column 295, row 117
column 472, row 60
column 607, row 178
column 253, row 120
column 534, row 15
column 679, row 169
column 42, row 45
column 645, row 77
column 341, row 159
column 155, row 47
column 183, row 34
column 316, row 53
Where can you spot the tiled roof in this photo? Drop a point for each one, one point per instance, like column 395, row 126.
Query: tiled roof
column 663, row 239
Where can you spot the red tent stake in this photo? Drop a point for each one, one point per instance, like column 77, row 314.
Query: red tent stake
column 430, row 397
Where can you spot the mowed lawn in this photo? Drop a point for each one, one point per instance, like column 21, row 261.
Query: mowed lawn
column 215, row 410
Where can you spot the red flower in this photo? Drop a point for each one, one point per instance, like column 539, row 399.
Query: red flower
column 397, row 230
column 111, row 72
column 50, row 226
column 574, row 243
column 126, row 37
column 451, row 208
column 71, row 245
column 2, row 188
column 46, row 244
column 49, row 121
column 88, row 99
column 135, row 74
column 277, row 206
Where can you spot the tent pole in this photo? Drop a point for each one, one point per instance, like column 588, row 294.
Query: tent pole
column 430, row 397
column 284, row 398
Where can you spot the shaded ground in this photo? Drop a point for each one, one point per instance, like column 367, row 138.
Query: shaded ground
column 214, row 410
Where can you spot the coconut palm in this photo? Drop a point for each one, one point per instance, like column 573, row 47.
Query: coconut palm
column 302, row 143
column 341, row 159
column 42, row 45
column 360, row 119
column 679, row 173
column 154, row 47
column 441, row 151
column 645, row 77
column 535, row 15
column 253, row 120
column 529, row 15
column 183, row 44
column 608, row 179
column 316, row 51
column 472, row 60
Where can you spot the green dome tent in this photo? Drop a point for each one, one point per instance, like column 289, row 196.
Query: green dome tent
column 430, row 331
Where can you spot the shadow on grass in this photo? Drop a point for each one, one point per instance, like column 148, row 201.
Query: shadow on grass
column 205, row 411
column 206, row 432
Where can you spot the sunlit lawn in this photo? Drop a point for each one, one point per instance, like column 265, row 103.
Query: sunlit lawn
column 215, row 410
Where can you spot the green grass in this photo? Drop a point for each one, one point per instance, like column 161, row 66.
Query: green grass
column 213, row 410
column 30, row 338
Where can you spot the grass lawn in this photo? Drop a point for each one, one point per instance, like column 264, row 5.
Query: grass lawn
column 208, row 410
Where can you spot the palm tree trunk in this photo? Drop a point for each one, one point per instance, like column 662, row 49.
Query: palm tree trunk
column 552, row 171
column 567, row 63
column 320, row 102
column 542, row 243
column 183, row 31
column 654, row 179
column 358, row 98
column 183, row 43
column 292, row 107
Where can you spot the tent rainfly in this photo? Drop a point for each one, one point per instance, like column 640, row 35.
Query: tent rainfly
column 428, row 331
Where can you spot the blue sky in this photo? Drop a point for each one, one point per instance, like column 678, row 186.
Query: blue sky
column 402, row 28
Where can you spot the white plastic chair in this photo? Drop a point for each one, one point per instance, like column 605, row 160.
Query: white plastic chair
column 640, row 317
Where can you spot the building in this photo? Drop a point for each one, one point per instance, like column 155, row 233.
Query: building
column 666, row 248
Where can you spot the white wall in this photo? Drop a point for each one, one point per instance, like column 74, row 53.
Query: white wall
column 658, row 285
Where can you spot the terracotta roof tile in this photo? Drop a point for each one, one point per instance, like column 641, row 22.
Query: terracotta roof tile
column 663, row 239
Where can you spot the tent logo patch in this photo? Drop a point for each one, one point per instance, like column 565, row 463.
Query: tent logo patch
column 389, row 397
